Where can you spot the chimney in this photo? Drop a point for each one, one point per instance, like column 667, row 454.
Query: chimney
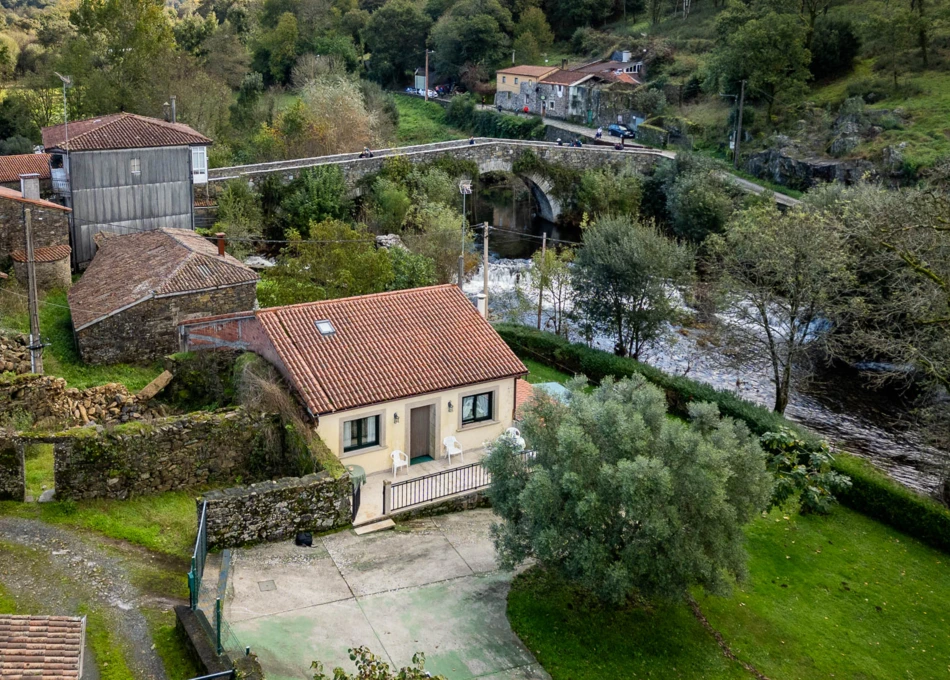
column 174, row 114
column 563, row 64
column 481, row 305
column 30, row 185
column 220, row 237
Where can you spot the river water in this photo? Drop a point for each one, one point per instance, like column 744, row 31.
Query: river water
column 838, row 405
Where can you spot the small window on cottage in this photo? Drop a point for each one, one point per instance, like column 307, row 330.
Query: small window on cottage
column 560, row 90
column 637, row 67
column 504, row 79
column 516, row 81
column 360, row 433
column 135, row 166
column 477, row 408
column 325, row 327
column 550, row 106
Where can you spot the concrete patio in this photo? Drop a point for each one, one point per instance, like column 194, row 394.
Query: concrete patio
column 432, row 586
column 371, row 496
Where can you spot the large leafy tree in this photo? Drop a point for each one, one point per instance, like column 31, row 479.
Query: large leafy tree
column 625, row 276
column 113, row 55
column 473, row 32
column 784, row 275
column 623, row 501
column 396, row 37
column 767, row 51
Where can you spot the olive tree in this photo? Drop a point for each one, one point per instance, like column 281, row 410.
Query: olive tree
column 626, row 276
column 783, row 275
column 622, row 500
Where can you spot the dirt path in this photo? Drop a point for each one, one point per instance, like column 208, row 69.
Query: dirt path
column 61, row 572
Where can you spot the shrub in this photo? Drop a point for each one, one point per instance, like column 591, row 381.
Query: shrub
column 834, row 46
column 463, row 114
column 804, row 469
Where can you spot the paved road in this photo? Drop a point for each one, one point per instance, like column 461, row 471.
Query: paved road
column 433, row 588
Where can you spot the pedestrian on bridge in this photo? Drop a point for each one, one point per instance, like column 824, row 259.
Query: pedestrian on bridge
column 600, row 133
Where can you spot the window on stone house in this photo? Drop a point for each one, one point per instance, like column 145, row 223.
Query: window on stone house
column 560, row 90
column 516, row 81
column 550, row 106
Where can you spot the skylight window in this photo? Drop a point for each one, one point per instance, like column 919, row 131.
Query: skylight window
column 325, row 327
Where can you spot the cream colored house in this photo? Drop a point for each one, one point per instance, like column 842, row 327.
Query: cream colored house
column 511, row 79
column 378, row 373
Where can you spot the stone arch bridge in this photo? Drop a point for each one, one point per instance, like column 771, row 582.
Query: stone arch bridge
column 491, row 155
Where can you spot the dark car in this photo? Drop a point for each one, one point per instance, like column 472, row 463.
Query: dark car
column 621, row 131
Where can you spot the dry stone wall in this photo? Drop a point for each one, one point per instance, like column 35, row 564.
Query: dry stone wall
column 277, row 510
column 14, row 355
column 179, row 452
column 12, row 473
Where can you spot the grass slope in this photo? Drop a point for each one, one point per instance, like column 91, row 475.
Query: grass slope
column 61, row 358
column 837, row 596
column 422, row 122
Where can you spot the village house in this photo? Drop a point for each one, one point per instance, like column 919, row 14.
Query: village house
column 12, row 167
column 46, row 647
column 50, row 225
column 512, row 80
column 125, row 173
column 397, row 371
column 128, row 303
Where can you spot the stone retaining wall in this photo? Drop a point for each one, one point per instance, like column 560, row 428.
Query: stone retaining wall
column 12, row 473
column 277, row 510
column 179, row 452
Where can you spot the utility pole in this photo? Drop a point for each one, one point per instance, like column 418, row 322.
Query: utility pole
column 36, row 345
column 427, row 73
column 485, row 264
column 512, row 57
column 544, row 248
column 735, row 158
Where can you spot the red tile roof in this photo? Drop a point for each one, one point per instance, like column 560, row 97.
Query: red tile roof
column 560, row 77
column 15, row 195
column 529, row 71
column 386, row 346
column 120, row 131
column 133, row 268
column 45, row 254
column 40, row 647
column 523, row 393
column 11, row 167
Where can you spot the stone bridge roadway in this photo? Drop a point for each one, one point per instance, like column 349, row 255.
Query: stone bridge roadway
column 491, row 155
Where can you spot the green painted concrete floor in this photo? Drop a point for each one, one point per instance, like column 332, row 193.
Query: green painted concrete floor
column 434, row 589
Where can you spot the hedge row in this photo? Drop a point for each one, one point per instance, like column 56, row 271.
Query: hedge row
column 872, row 492
column 463, row 113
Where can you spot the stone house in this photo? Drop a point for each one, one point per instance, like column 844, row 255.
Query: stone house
column 127, row 305
column 12, row 167
column 514, row 78
column 125, row 173
column 50, row 226
column 399, row 370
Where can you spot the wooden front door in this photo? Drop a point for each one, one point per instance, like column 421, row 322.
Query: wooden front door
column 420, row 432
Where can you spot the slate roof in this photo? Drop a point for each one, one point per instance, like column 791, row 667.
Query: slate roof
column 132, row 268
column 386, row 346
column 15, row 195
column 44, row 254
column 34, row 647
column 120, row 131
column 11, row 167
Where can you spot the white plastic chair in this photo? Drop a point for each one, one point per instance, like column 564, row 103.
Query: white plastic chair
column 400, row 459
column 515, row 434
column 452, row 448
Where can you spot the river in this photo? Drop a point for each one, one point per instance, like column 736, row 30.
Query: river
column 836, row 404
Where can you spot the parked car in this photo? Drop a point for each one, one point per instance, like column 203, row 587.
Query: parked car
column 622, row 131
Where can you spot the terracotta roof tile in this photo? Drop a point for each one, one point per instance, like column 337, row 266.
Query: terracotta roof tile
column 45, row 254
column 15, row 195
column 133, row 268
column 529, row 71
column 386, row 346
column 47, row 647
column 560, row 77
column 120, row 131
column 11, row 167
column 523, row 392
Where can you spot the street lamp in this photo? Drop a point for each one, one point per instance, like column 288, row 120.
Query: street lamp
column 67, row 82
column 465, row 188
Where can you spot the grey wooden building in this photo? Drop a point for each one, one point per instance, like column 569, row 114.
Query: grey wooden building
column 123, row 174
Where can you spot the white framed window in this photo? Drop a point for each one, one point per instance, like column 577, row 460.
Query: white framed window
column 135, row 166
column 516, row 81
column 551, row 106
column 199, row 164
column 637, row 67
column 560, row 90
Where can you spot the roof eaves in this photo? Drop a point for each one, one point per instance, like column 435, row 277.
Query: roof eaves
column 150, row 295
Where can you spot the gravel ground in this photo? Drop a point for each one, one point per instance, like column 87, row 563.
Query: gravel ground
column 62, row 572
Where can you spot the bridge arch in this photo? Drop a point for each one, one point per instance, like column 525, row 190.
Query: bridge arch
column 541, row 187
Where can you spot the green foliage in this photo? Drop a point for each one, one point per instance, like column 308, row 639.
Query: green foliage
column 238, row 217
column 533, row 22
column 396, row 36
column 438, row 232
column 803, row 469
column 389, row 203
column 315, row 195
column 422, row 122
column 347, row 264
column 371, row 667
column 698, row 205
column 604, row 191
column 39, row 469
column 110, row 652
column 470, row 32
column 625, row 276
column 834, row 46
column 463, row 114
column 621, row 500
column 876, row 495
column 652, row 135
column 16, row 119
column 410, row 270
column 276, row 49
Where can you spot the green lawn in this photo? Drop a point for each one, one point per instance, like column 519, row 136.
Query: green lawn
column 541, row 373
column 837, row 596
column 61, row 358
column 39, row 468
column 422, row 122
column 165, row 523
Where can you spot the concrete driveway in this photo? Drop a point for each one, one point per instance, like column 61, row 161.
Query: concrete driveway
column 431, row 586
